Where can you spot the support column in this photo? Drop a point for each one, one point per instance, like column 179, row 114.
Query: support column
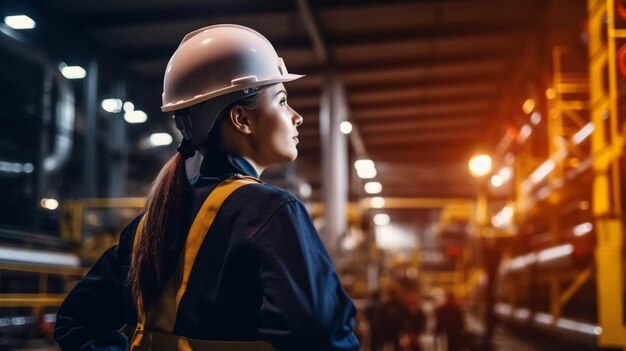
column 39, row 176
column 118, row 150
column 333, row 110
column 91, row 115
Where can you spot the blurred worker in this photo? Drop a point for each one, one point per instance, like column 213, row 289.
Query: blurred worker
column 450, row 321
column 219, row 260
column 415, row 323
column 394, row 316
column 374, row 315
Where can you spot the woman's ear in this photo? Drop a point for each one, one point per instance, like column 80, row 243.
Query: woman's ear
column 240, row 119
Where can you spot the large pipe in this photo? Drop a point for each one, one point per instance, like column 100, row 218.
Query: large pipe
column 550, row 258
column 586, row 331
column 64, row 112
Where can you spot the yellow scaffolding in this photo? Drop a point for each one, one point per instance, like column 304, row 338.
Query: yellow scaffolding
column 606, row 151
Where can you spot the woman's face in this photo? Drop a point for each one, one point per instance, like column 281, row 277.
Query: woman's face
column 274, row 133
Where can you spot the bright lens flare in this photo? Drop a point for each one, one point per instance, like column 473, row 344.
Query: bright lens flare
column 365, row 169
column 373, row 187
column 345, row 127
column 381, row 219
column 377, row 202
column 49, row 204
column 528, row 106
column 480, row 165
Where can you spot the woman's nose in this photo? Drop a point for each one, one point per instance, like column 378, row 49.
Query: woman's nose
column 297, row 118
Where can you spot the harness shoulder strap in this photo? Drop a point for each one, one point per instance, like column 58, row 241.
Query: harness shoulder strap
column 155, row 328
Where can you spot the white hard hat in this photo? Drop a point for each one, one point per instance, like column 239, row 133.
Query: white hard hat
column 217, row 60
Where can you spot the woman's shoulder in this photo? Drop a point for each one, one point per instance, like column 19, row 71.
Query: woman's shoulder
column 263, row 192
column 261, row 200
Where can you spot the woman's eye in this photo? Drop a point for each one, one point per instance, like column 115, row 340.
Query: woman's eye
column 283, row 101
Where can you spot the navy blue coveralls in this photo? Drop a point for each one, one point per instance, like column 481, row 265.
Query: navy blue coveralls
column 262, row 273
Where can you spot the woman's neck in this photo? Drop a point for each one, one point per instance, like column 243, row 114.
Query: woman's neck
column 258, row 168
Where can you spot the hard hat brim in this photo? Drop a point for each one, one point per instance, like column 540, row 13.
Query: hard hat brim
column 234, row 87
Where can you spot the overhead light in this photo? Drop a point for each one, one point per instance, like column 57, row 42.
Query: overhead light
column 136, row 116
column 365, row 169
column 550, row 93
column 373, row 187
column 19, row 22
column 583, row 229
column 497, row 180
column 377, row 202
column 128, row 106
column 15, row 167
column 525, row 132
column 583, row 133
column 505, row 173
column 49, row 204
column 542, row 171
column 521, row 313
column 28, row 167
column 72, row 72
column 160, row 139
column 39, row 257
column 503, row 218
column 555, row 252
column 381, row 219
column 112, row 105
column 345, row 127
column 305, row 190
column 581, row 327
column 535, row 118
column 480, row 165
column 528, row 106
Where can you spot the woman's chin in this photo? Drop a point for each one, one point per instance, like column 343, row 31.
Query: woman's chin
column 294, row 155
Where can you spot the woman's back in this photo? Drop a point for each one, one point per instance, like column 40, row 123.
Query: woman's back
column 261, row 273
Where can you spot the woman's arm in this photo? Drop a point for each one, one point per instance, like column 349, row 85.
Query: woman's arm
column 94, row 311
column 304, row 306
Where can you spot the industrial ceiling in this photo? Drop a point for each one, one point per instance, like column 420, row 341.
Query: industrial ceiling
column 428, row 83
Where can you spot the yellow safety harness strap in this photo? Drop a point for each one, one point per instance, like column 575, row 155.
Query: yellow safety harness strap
column 203, row 222
column 155, row 327
column 160, row 341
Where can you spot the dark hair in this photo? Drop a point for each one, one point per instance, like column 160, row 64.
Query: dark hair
column 167, row 209
column 249, row 103
column 156, row 253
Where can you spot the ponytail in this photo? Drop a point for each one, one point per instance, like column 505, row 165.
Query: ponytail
column 156, row 253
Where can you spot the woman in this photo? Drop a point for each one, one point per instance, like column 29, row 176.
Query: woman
column 219, row 260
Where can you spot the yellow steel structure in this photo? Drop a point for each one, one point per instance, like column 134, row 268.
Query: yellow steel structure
column 31, row 300
column 566, row 104
column 37, row 301
column 606, row 151
column 74, row 210
column 420, row 202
